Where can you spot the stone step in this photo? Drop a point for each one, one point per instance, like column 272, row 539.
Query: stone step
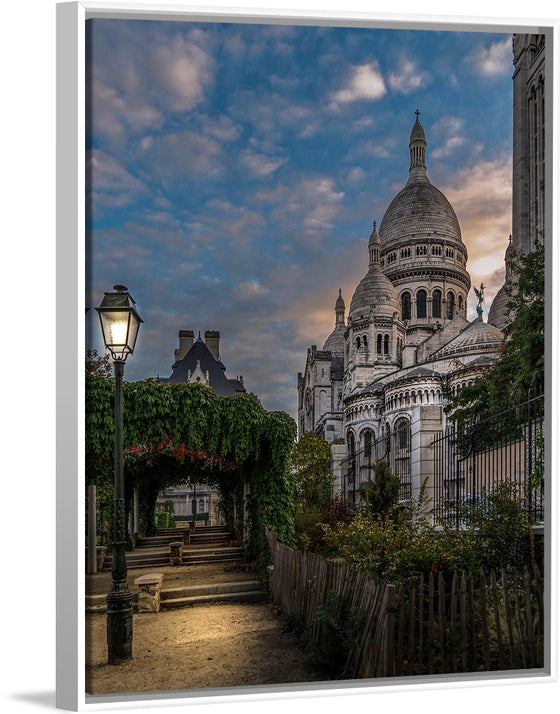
column 161, row 541
column 244, row 591
column 214, row 589
column 190, row 557
column 199, row 529
column 247, row 596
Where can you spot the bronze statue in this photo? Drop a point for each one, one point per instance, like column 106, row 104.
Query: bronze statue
column 479, row 294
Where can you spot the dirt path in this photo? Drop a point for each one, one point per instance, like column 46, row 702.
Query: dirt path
column 207, row 645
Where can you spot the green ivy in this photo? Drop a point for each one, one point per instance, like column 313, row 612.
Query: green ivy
column 173, row 433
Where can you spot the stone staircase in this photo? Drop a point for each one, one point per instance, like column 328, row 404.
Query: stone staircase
column 243, row 591
column 208, row 544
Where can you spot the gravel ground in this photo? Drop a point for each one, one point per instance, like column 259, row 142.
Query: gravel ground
column 205, row 645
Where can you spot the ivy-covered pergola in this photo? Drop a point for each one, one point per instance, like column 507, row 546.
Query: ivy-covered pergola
column 177, row 433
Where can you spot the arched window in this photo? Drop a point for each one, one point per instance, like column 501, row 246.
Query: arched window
column 387, row 438
column 405, row 306
column 201, row 506
column 421, row 303
column 436, row 304
column 357, row 343
column 364, row 340
column 367, row 447
column 386, row 345
column 460, row 304
column 379, row 338
column 400, row 458
column 450, row 305
column 351, row 460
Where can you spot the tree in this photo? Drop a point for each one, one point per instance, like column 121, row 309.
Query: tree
column 381, row 494
column 311, row 465
column 520, row 369
column 97, row 365
column 175, row 433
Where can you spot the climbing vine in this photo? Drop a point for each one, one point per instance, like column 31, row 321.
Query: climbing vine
column 173, row 433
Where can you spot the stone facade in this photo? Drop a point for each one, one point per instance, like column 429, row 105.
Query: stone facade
column 381, row 380
column 528, row 191
column 528, row 140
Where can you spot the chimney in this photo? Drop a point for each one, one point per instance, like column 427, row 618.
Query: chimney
column 212, row 341
column 186, row 339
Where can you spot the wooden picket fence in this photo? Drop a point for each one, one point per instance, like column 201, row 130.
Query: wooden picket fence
column 463, row 622
column 301, row 583
column 469, row 622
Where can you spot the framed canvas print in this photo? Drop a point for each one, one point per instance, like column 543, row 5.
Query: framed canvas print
column 310, row 426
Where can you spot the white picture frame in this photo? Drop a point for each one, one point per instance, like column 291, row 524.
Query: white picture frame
column 71, row 18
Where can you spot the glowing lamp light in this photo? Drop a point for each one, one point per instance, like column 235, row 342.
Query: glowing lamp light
column 119, row 322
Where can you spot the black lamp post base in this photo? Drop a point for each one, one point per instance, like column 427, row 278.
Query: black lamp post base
column 119, row 626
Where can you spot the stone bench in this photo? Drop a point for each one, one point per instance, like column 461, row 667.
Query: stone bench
column 149, row 592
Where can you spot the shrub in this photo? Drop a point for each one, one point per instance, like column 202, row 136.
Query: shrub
column 339, row 625
column 310, row 528
column 501, row 527
column 381, row 494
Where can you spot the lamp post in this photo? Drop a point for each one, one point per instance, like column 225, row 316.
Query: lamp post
column 119, row 324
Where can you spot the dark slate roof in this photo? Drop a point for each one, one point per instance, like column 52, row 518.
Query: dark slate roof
column 376, row 386
column 337, row 367
column 421, row 372
column 215, row 368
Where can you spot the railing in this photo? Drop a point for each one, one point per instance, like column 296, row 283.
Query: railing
column 471, row 459
column 359, row 467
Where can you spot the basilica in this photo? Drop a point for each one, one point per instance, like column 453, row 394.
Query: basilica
column 405, row 343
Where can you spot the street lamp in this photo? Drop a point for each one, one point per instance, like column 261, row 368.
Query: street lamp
column 119, row 323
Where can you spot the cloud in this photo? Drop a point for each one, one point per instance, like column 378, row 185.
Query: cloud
column 261, row 164
column 446, row 131
column 250, row 290
column 142, row 71
column 365, row 83
column 407, row 78
column 271, row 113
column 177, row 155
column 448, row 147
column 182, row 70
column 313, row 202
column 494, row 60
column 220, row 128
column 481, row 197
column 109, row 182
column 356, row 174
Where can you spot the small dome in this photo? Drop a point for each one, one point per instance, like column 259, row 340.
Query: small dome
column 498, row 314
column 375, row 291
column 339, row 304
column 478, row 336
column 417, row 132
column 335, row 341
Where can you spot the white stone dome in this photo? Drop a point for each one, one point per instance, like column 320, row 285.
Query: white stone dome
column 420, row 209
column 375, row 291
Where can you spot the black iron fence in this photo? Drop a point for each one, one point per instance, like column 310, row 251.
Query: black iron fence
column 472, row 459
column 359, row 467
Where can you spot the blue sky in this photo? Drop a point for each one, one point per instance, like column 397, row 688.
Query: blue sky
column 234, row 172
